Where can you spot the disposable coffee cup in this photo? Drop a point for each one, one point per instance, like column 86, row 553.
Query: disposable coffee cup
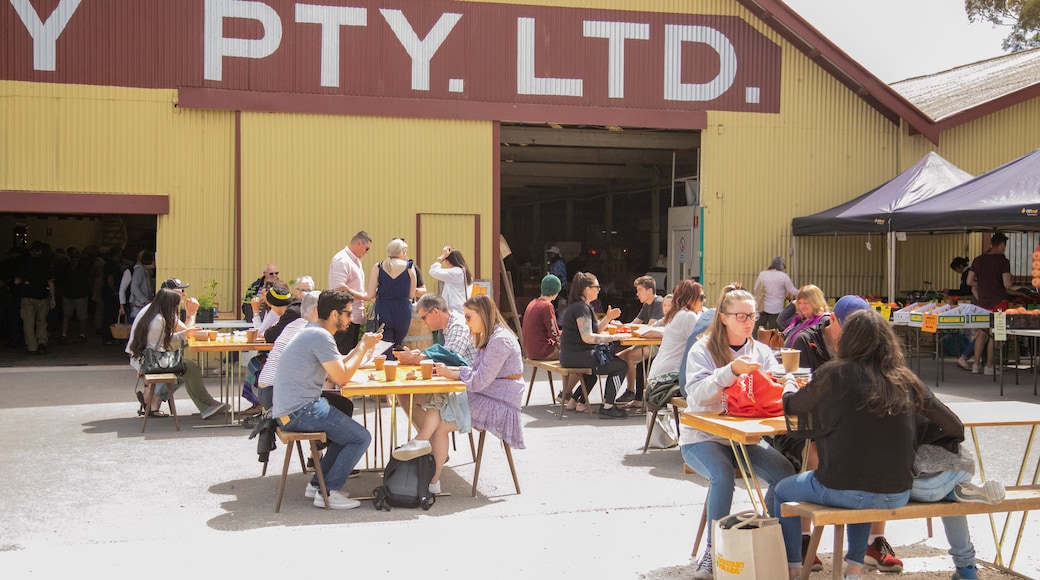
column 390, row 369
column 789, row 358
column 251, row 335
column 379, row 360
column 427, row 368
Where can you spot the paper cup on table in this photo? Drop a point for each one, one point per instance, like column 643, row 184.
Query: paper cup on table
column 427, row 368
column 251, row 335
column 380, row 360
column 789, row 358
column 390, row 369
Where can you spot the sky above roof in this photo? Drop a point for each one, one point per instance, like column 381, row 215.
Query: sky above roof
column 899, row 39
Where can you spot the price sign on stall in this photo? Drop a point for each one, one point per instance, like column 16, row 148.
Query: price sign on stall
column 930, row 323
column 999, row 326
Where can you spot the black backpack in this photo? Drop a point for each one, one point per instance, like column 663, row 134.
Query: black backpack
column 406, row 484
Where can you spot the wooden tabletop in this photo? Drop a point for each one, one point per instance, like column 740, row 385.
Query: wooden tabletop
column 740, row 429
column 362, row 385
column 638, row 341
column 227, row 346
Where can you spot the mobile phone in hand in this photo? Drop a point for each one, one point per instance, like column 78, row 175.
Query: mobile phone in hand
column 380, row 329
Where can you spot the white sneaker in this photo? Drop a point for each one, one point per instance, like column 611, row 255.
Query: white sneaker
column 214, row 409
column 412, row 449
column 990, row 492
column 988, row 371
column 435, row 488
column 311, row 491
column 976, row 368
column 338, row 500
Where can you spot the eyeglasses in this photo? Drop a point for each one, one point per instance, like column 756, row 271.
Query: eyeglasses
column 423, row 316
column 704, row 298
column 743, row 316
column 345, row 311
column 272, row 273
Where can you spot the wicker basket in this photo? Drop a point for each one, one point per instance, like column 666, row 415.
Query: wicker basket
column 120, row 330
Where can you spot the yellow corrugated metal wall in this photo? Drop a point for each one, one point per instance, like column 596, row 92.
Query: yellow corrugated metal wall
column 76, row 138
column 310, row 182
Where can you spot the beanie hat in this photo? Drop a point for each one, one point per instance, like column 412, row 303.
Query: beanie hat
column 278, row 296
column 551, row 285
column 846, row 305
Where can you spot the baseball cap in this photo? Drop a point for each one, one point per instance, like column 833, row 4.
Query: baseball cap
column 174, row 284
column 848, row 304
column 553, row 250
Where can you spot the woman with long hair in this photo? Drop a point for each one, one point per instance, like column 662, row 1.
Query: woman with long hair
column 864, row 400
column 451, row 269
column 392, row 282
column 715, row 362
column 810, row 308
column 494, row 382
column 158, row 327
column 678, row 322
column 580, row 336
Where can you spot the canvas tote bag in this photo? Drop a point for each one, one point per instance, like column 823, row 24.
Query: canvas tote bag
column 748, row 546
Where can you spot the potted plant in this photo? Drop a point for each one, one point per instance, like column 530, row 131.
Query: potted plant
column 207, row 302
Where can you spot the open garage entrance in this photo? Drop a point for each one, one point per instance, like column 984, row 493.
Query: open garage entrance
column 599, row 193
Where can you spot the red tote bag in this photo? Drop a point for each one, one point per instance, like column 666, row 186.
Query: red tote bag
column 754, row 394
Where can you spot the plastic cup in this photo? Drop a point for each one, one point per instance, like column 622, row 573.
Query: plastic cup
column 390, row 370
column 251, row 335
column 789, row 357
column 611, row 330
column 380, row 360
column 213, row 335
column 427, row 368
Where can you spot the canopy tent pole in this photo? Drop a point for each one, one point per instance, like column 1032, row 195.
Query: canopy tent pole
column 891, row 266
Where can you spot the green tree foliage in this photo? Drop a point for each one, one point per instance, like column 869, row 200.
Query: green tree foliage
column 1021, row 16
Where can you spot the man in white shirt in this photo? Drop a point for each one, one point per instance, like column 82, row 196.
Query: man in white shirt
column 347, row 274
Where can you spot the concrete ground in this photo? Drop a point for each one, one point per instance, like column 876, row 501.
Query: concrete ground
column 85, row 491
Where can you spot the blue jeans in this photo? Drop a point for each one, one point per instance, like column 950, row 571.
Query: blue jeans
column 347, row 440
column 715, row 462
column 805, row 487
column 938, row 488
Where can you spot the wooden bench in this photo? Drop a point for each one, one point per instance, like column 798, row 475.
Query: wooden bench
column 553, row 366
column 1017, row 500
column 168, row 379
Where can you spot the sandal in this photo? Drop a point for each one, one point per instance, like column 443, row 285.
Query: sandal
column 157, row 413
column 571, row 404
column 581, row 408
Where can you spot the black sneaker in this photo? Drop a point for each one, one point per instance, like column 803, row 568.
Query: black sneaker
column 614, row 412
column 627, row 397
column 42, row 349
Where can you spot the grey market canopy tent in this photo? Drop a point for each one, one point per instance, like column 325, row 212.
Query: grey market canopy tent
column 871, row 213
column 1006, row 198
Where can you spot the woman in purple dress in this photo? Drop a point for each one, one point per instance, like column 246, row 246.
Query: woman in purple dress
column 494, row 382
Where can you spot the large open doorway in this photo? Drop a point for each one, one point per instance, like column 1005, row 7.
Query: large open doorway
column 599, row 193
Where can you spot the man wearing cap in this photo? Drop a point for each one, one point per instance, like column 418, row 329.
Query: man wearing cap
column 990, row 281
column 34, row 279
column 541, row 333
column 347, row 274
column 283, row 308
column 819, row 344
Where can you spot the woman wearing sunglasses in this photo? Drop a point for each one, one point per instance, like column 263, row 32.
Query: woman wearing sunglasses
column 580, row 335
column 714, row 363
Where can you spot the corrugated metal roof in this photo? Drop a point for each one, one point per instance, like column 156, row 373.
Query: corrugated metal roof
column 947, row 93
